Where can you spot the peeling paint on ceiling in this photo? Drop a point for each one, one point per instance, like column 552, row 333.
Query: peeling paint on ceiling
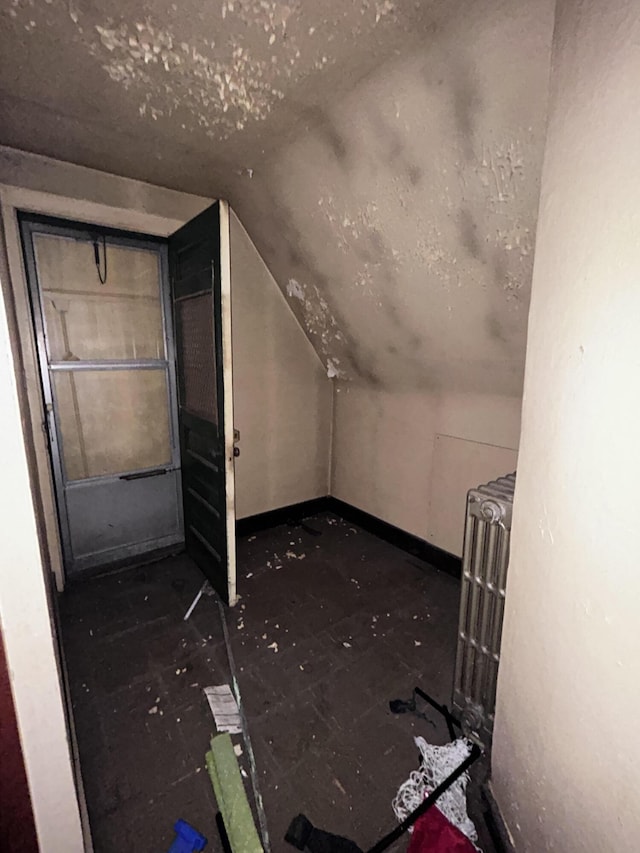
column 213, row 68
column 221, row 90
column 384, row 156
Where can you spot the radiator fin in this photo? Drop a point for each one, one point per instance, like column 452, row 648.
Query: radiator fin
column 485, row 561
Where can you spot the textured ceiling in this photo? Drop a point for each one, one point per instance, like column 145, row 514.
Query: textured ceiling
column 384, row 155
column 186, row 94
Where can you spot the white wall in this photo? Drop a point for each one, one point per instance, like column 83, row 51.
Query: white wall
column 282, row 395
column 409, row 458
column 566, row 762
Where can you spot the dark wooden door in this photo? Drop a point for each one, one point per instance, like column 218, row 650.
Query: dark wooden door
column 198, row 255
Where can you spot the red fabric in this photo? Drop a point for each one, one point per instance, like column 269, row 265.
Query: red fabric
column 17, row 829
column 432, row 833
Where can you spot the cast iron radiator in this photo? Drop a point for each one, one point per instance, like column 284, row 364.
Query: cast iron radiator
column 484, row 574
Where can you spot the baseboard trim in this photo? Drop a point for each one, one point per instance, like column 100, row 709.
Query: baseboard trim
column 420, row 548
column 496, row 823
column 136, row 561
column 295, row 513
column 292, row 514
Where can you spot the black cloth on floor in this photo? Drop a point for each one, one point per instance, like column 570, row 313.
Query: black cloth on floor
column 304, row 836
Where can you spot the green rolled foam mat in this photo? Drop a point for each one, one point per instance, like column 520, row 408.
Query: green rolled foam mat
column 223, row 769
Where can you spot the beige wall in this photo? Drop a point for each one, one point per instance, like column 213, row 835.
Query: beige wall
column 410, row 457
column 282, row 395
column 400, row 219
column 566, row 760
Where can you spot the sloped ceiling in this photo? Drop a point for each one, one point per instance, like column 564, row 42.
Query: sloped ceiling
column 383, row 154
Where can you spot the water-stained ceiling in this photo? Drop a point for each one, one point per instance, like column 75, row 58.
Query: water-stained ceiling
column 383, row 154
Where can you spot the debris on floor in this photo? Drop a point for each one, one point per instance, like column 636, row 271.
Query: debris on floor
column 303, row 835
column 307, row 528
column 187, row 840
column 442, row 779
column 313, row 710
column 224, row 771
column 205, row 589
column 446, row 827
column 224, row 709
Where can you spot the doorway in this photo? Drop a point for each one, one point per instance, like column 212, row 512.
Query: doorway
column 139, row 421
column 101, row 312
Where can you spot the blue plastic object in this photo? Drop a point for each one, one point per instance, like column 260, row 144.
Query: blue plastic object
column 187, row 838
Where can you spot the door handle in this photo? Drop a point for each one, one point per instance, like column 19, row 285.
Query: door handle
column 141, row 475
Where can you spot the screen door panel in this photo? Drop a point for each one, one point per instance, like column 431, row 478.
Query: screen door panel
column 198, row 374
column 100, row 305
column 207, row 474
column 112, row 422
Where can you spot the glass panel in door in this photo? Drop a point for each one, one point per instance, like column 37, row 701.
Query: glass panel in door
column 86, row 320
column 112, row 421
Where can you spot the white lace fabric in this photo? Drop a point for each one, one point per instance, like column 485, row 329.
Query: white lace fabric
column 437, row 763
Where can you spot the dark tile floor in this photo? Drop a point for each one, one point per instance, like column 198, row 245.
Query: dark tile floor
column 331, row 625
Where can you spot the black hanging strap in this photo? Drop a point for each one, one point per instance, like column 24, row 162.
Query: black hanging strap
column 102, row 272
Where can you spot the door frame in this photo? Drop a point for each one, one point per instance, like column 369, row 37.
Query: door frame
column 227, row 370
column 30, row 224
column 27, row 606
